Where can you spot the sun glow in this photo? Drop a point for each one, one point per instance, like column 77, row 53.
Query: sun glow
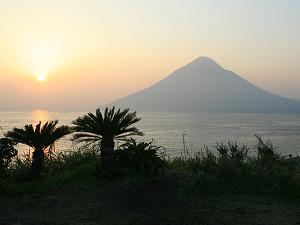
column 43, row 56
column 41, row 77
column 40, row 115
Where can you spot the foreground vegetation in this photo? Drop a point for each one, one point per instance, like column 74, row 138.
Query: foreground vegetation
column 231, row 170
column 147, row 189
column 137, row 184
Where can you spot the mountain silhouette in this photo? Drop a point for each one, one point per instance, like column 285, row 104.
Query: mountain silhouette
column 204, row 86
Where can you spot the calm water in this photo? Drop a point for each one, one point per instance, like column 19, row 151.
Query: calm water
column 167, row 129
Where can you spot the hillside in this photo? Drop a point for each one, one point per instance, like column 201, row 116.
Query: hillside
column 204, row 86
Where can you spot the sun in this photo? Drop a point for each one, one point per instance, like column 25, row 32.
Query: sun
column 41, row 77
column 42, row 56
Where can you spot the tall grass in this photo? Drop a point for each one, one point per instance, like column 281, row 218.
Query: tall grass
column 61, row 169
column 229, row 169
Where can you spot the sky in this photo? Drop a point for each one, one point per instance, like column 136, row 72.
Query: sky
column 79, row 54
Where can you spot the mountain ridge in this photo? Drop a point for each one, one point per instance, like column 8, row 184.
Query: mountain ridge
column 204, row 86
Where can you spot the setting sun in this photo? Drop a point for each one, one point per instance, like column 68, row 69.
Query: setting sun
column 41, row 77
column 42, row 56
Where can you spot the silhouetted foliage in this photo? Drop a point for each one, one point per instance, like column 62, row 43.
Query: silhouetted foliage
column 39, row 138
column 7, row 153
column 232, row 170
column 233, row 151
column 266, row 154
column 105, row 128
column 141, row 158
column 72, row 160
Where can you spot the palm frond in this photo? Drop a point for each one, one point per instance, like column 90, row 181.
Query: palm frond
column 111, row 123
column 85, row 137
column 40, row 137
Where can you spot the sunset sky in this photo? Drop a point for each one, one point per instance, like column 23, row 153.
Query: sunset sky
column 79, row 54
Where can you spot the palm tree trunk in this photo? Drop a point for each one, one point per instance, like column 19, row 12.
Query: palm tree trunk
column 38, row 157
column 107, row 150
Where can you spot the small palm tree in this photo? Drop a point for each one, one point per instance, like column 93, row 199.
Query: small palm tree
column 105, row 128
column 38, row 138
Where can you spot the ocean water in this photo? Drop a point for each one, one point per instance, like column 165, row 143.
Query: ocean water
column 199, row 129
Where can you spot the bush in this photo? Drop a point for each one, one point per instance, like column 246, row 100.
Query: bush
column 7, row 153
column 232, row 170
column 66, row 165
column 63, row 161
column 141, row 158
column 224, row 171
column 21, row 169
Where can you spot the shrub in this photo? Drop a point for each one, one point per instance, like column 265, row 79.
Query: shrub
column 21, row 169
column 7, row 153
column 232, row 170
column 141, row 158
column 63, row 164
column 62, row 161
column 232, row 151
column 224, row 171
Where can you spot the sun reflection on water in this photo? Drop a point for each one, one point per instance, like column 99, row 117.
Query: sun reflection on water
column 40, row 115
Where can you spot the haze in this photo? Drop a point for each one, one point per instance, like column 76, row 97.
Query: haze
column 77, row 55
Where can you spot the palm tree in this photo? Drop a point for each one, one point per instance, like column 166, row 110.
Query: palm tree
column 38, row 138
column 104, row 129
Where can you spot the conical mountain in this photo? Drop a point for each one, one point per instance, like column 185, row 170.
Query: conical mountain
column 204, row 86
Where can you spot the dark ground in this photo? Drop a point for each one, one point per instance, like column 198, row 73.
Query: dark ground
column 157, row 202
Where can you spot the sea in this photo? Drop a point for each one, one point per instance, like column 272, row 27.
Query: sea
column 179, row 132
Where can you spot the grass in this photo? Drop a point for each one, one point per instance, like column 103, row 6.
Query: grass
column 70, row 191
column 229, row 169
column 159, row 200
column 78, row 166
